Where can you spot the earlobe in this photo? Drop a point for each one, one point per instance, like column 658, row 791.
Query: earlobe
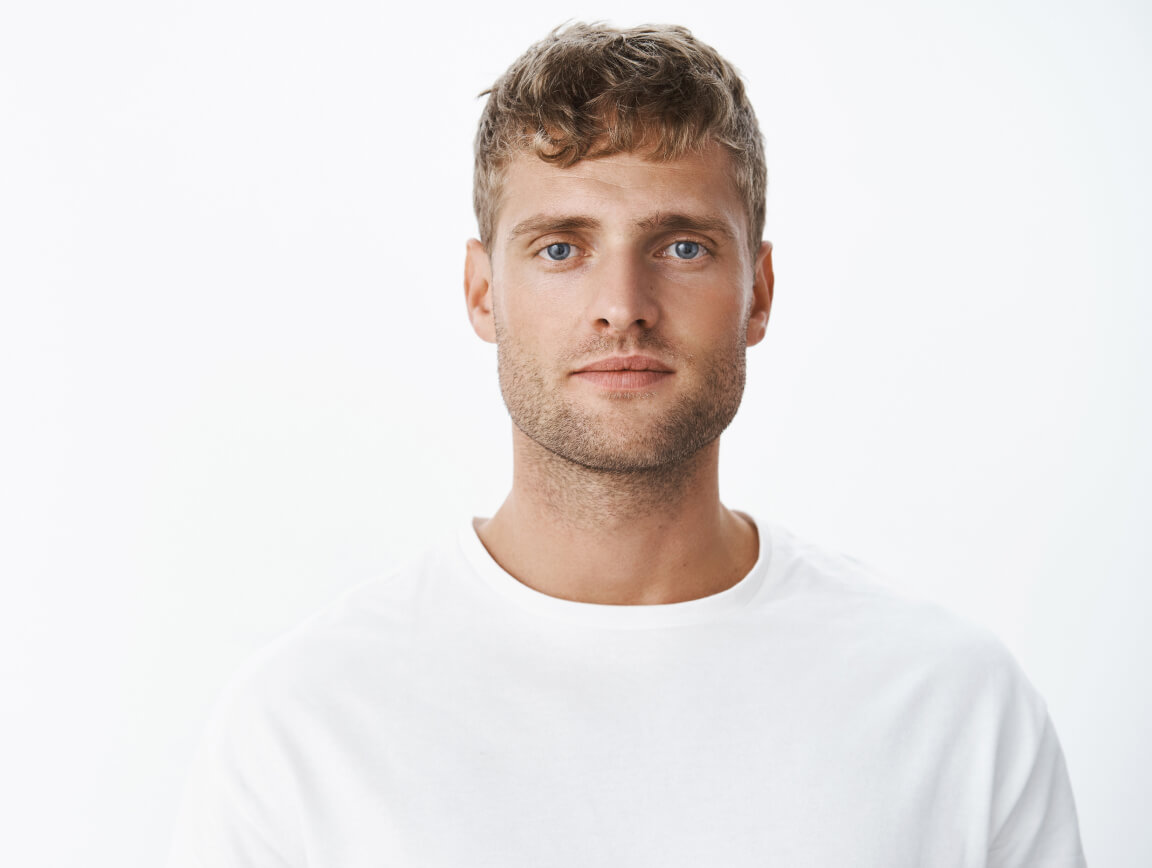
column 763, row 282
column 478, row 290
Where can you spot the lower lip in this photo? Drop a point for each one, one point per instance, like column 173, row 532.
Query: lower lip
column 623, row 381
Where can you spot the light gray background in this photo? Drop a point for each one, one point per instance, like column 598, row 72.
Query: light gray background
column 236, row 375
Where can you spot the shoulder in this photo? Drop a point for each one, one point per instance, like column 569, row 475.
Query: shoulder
column 363, row 633
column 955, row 688
column 851, row 607
column 270, row 726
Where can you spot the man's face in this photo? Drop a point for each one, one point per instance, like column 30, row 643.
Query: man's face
column 621, row 293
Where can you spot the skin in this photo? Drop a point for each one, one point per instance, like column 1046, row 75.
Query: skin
column 615, row 496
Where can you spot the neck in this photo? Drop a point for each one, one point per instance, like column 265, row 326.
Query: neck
column 635, row 538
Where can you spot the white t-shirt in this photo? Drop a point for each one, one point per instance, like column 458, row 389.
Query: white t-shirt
column 449, row 716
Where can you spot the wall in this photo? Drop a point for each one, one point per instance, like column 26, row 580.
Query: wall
column 237, row 376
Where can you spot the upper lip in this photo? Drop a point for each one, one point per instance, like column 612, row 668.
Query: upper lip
column 626, row 363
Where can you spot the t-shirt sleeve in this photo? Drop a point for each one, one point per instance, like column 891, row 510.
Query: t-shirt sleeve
column 239, row 807
column 1034, row 822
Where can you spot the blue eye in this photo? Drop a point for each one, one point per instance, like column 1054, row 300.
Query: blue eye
column 558, row 252
column 687, row 249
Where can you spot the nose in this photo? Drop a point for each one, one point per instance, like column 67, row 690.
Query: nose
column 624, row 297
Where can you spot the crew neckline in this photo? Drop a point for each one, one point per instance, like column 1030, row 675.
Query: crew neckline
column 696, row 611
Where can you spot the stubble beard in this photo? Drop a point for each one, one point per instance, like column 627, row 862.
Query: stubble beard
column 656, row 452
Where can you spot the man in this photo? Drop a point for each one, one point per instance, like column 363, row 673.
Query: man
column 615, row 669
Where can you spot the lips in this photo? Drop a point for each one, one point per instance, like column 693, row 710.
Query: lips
column 625, row 373
column 627, row 363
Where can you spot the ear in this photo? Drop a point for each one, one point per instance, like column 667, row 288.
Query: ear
column 478, row 290
column 762, row 283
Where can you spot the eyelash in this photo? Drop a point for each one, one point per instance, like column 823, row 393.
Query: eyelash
column 705, row 251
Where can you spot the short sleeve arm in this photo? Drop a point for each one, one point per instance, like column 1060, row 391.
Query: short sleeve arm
column 1034, row 814
column 238, row 808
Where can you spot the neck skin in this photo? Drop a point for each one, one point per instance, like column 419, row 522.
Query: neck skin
column 652, row 537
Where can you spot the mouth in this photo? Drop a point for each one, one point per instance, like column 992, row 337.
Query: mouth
column 624, row 373
column 627, row 363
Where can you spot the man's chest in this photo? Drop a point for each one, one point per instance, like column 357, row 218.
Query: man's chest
column 462, row 771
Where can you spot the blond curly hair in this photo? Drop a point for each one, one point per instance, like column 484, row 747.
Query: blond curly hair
column 589, row 90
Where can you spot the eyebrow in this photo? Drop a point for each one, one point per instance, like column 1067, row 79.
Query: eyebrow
column 542, row 223
column 704, row 223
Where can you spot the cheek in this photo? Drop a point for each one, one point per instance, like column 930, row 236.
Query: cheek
column 525, row 324
column 707, row 315
column 535, row 308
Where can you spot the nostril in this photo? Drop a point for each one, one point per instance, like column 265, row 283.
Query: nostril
column 607, row 323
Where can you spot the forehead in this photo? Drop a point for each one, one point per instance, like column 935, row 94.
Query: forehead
column 627, row 187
